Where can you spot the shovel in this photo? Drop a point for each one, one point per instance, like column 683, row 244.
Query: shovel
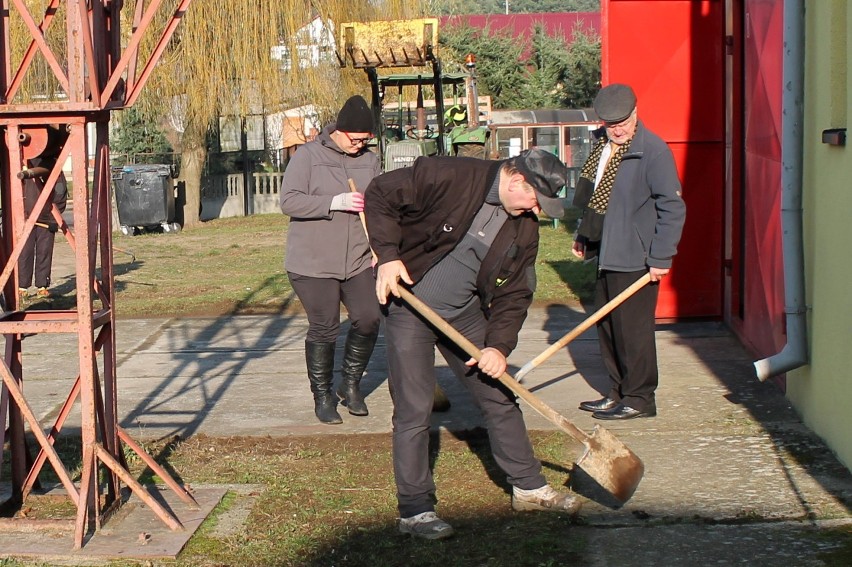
column 440, row 402
column 606, row 460
column 584, row 326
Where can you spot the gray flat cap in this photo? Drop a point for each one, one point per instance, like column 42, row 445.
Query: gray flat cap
column 615, row 102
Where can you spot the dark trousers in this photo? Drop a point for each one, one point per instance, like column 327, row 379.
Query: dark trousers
column 626, row 338
column 411, row 361
column 37, row 253
column 321, row 298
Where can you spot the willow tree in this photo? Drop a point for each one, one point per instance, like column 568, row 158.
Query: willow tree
column 220, row 64
column 39, row 84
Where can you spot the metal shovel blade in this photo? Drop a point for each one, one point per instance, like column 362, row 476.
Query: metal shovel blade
column 611, row 464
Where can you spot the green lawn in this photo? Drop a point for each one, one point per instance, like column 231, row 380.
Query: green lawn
column 235, row 265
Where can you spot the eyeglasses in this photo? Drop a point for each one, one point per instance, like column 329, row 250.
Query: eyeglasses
column 356, row 141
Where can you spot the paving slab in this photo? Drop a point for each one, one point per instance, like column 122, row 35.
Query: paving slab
column 133, row 532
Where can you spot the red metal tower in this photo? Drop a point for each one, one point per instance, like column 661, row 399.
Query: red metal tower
column 58, row 76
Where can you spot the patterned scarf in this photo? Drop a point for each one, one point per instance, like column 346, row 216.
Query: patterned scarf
column 600, row 198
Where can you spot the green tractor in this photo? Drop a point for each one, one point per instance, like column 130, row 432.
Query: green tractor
column 431, row 127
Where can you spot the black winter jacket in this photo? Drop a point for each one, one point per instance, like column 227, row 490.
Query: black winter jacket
column 420, row 213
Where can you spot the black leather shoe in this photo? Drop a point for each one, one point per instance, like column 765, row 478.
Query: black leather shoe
column 605, row 403
column 622, row 411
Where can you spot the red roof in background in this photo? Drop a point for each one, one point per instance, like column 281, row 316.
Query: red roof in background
column 523, row 24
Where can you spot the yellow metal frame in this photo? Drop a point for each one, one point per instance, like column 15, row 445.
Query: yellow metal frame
column 389, row 43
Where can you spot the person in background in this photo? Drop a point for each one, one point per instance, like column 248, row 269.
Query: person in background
column 328, row 259
column 36, row 259
column 632, row 222
column 463, row 233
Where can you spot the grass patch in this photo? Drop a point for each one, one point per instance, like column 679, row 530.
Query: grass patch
column 330, row 500
column 561, row 277
column 236, row 266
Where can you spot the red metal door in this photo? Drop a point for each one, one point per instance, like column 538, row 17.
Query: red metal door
column 672, row 53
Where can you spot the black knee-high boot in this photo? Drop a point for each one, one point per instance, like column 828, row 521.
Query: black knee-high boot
column 355, row 358
column 320, row 359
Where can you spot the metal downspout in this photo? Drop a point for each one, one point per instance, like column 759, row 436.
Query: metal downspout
column 795, row 352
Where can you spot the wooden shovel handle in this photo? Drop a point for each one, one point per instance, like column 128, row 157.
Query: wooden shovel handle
column 353, row 188
column 584, row 326
column 471, row 349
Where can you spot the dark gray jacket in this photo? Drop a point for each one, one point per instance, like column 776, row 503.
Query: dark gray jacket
column 646, row 212
column 323, row 243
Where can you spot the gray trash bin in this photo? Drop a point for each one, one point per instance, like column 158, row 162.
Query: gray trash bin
column 145, row 197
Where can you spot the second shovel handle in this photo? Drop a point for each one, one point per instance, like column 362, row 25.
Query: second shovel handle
column 584, row 326
column 353, row 188
column 545, row 410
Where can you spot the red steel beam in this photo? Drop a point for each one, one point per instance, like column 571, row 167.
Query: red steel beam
column 90, row 75
column 131, row 52
column 49, row 13
column 38, row 38
column 158, row 51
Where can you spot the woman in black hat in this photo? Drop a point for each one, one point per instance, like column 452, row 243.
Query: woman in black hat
column 328, row 259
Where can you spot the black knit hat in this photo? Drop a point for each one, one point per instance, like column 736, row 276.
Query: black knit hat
column 614, row 103
column 355, row 116
column 547, row 175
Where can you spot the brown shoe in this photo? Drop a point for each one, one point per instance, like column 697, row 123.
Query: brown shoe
column 43, row 292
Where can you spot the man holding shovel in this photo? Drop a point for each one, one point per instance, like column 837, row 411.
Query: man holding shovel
column 632, row 221
column 464, row 234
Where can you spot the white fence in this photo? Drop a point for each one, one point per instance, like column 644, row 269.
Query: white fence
column 224, row 195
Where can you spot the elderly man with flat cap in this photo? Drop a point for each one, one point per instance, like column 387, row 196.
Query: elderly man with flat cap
column 633, row 215
column 463, row 233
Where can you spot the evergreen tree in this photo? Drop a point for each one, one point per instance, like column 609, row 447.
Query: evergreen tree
column 583, row 73
column 547, row 71
column 500, row 72
column 139, row 138
column 554, row 75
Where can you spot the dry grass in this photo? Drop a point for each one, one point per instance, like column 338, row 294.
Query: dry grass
column 236, row 266
column 330, row 500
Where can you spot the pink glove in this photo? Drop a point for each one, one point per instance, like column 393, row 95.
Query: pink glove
column 348, row 202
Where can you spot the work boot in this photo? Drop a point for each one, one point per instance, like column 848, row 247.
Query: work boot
column 545, row 498
column 355, row 358
column 320, row 359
